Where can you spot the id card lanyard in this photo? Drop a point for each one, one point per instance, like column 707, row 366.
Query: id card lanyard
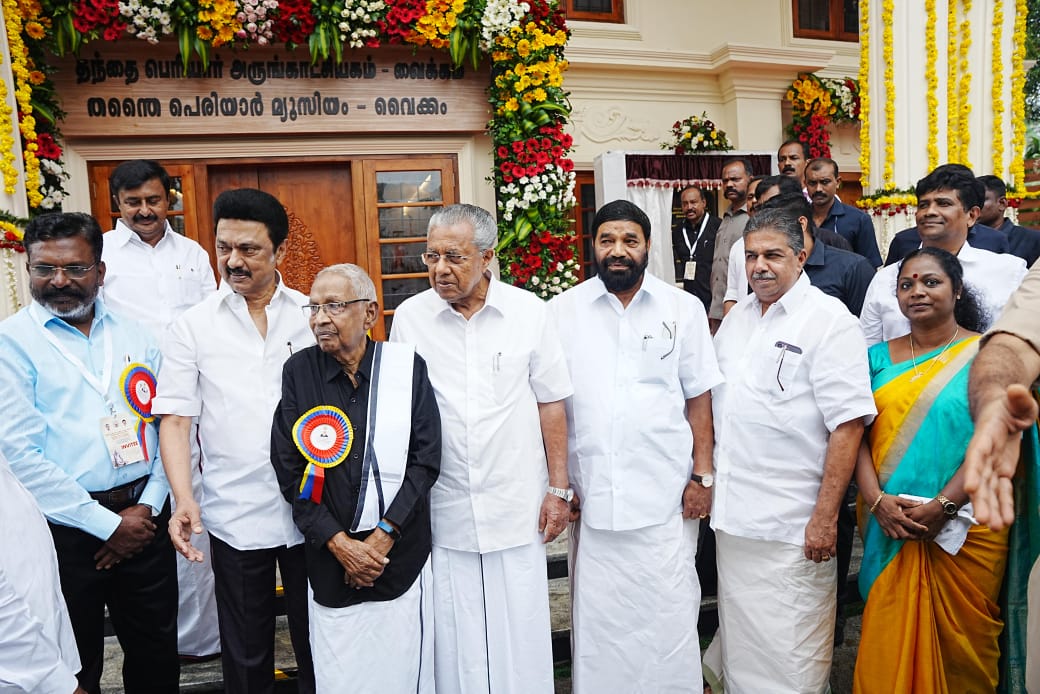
column 100, row 385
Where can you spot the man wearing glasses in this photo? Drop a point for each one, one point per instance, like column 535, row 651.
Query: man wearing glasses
column 640, row 354
column 500, row 377
column 222, row 363
column 788, row 423
column 79, row 433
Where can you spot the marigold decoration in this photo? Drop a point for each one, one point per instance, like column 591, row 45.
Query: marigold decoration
column 1018, row 102
column 997, row 91
column 533, row 174
column 7, row 162
column 14, row 23
column 815, row 103
column 697, row 134
column 889, row 201
column 952, row 106
column 964, row 87
column 864, row 97
column 11, row 235
column 887, row 10
column 931, row 79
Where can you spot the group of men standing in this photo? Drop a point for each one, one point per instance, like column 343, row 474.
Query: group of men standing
column 609, row 408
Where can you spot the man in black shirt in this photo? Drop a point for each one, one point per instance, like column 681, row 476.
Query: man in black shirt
column 1023, row 241
column 356, row 445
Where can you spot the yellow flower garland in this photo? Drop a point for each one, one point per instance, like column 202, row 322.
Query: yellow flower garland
column 997, row 68
column 864, row 93
column 887, row 10
column 932, row 84
column 964, row 87
column 952, row 107
column 1018, row 103
column 10, row 173
column 23, row 95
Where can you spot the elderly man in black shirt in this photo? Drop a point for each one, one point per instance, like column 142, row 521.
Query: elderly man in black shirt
column 356, row 445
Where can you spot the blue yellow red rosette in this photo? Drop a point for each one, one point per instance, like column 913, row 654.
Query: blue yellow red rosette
column 138, row 387
column 323, row 435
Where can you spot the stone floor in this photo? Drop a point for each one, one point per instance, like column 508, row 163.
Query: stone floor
column 206, row 677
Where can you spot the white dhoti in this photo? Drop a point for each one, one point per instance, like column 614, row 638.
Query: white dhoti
column 376, row 646
column 197, row 630
column 635, row 599
column 776, row 619
column 492, row 621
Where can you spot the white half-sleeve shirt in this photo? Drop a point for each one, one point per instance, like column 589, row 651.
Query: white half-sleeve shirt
column 792, row 376
column 217, row 367
column 489, row 374
column 633, row 368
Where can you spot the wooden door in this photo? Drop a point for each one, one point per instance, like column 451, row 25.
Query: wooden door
column 319, row 200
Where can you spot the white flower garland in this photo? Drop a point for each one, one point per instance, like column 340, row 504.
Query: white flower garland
column 499, row 16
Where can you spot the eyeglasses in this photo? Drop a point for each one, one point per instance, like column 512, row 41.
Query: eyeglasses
column 73, row 272
column 334, row 308
column 431, row 258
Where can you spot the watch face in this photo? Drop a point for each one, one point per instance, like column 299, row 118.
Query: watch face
column 950, row 508
column 708, row 480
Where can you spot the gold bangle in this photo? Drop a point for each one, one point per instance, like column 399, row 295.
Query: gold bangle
column 875, row 504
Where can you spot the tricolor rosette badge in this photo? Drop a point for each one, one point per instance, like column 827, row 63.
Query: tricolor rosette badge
column 138, row 386
column 323, row 435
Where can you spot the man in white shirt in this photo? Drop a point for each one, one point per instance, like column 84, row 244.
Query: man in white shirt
column 500, row 377
column 947, row 206
column 153, row 275
column 222, row 363
column 38, row 649
column 788, row 422
column 640, row 455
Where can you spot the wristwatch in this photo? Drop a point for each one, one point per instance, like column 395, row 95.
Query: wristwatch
column 706, row 480
column 390, row 530
column 949, row 508
column 565, row 494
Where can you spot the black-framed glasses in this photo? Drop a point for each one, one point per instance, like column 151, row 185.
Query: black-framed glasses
column 73, row 272
column 430, row 258
column 333, row 308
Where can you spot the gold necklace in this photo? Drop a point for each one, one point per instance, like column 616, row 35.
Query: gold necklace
column 913, row 357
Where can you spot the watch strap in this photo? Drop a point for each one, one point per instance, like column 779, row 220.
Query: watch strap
column 390, row 530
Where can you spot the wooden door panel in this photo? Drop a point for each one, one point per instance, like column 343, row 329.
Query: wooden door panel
column 319, row 201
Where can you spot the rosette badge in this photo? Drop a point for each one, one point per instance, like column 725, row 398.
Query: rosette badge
column 323, row 436
column 138, row 386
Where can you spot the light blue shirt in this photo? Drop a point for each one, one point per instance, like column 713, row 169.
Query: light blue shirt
column 50, row 429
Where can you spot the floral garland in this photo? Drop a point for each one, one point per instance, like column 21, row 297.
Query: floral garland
column 817, row 102
column 533, row 175
column 887, row 10
column 890, row 201
column 864, row 96
column 932, row 84
column 1018, row 102
column 964, row 87
column 697, row 134
column 997, row 93
column 10, row 173
column 13, row 18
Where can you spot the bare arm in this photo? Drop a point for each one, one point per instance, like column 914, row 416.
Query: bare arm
column 998, row 394
column 175, row 447
column 697, row 499
column 555, row 511
column 821, row 533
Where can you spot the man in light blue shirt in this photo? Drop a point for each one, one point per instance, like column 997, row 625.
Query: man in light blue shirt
column 77, row 383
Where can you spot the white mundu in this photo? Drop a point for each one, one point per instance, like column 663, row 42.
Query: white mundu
column 993, row 276
column 630, row 458
column 154, row 285
column 793, row 376
column 490, row 583
column 37, row 647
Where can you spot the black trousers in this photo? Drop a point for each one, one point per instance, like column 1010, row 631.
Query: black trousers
column 245, row 583
column 141, row 594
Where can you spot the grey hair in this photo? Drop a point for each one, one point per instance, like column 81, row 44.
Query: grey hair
column 485, row 229
column 778, row 220
column 357, row 279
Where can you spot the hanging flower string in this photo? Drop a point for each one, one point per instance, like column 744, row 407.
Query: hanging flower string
column 1018, row 102
column 997, row 92
column 931, row 79
column 964, row 87
column 864, row 97
column 887, row 10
